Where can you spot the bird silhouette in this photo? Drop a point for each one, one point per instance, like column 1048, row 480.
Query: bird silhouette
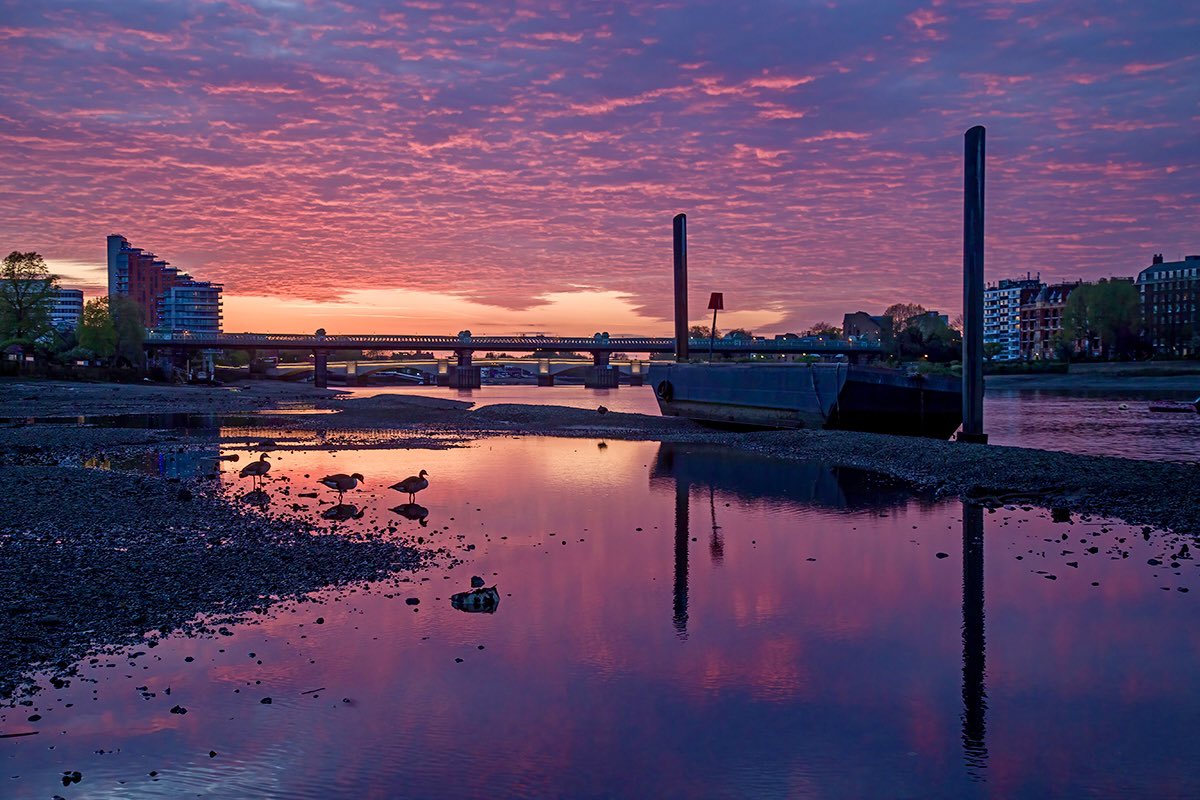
column 342, row 483
column 411, row 485
column 256, row 469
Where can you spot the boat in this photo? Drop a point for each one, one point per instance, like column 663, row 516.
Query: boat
column 1178, row 407
column 836, row 395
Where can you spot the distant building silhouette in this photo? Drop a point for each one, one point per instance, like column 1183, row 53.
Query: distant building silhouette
column 1170, row 295
column 1002, row 314
column 1041, row 319
column 169, row 299
column 67, row 309
column 864, row 326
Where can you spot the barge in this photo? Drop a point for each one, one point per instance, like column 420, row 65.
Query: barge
column 821, row 395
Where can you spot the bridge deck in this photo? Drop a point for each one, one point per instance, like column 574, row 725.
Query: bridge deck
column 286, row 341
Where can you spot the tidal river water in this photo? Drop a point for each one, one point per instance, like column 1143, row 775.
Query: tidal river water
column 1094, row 423
column 672, row 621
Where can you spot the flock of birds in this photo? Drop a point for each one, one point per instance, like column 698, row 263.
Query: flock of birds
column 342, row 483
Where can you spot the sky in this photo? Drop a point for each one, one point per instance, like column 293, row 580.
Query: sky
column 426, row 167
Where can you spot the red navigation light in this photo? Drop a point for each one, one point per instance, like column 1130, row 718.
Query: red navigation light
column 716, row 302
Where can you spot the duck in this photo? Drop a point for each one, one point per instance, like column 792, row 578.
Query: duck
column 342, row 483
column 412, row 484
column 257, row 469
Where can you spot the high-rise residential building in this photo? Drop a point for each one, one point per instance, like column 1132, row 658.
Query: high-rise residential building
column 1041, row 319
column 67, row 309
column 1170, row 295
column 1002, row 314
column 169, row 299
column 191, row 305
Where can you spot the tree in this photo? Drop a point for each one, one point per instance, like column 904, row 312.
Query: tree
column 740, row 333
column 130, row 327
column 700, row 332
column 1108, row 312
column 901, row 313
column 27, row 290
column 96, row 331
column 991, row 350
column 823, row 329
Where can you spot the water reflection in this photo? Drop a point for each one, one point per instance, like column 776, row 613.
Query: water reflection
column 974, row 663
column 801, row 484
column 795, row 484
column 342, row 512
column 414, row 511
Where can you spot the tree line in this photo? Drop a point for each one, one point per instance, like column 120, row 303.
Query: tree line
column 110, row 330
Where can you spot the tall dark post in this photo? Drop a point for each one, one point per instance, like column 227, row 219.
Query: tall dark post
column 974, row 692
column 680, row 616
column 972, row 394
column 681, row 288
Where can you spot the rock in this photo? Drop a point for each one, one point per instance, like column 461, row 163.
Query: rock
column 602, row 410
column 412, row 601
column 942, row 555
column 476, row 582
column 34, row 717
column 183, row 495
column 320, row 620
column 266, row 701
column 178, row 710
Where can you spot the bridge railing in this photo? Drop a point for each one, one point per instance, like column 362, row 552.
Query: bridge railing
column 523, row 343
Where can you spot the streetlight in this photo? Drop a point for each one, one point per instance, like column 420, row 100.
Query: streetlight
column 716, row 301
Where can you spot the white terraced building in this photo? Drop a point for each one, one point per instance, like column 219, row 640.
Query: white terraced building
column 1002, row 314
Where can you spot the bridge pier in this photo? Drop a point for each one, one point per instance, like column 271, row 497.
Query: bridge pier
column 464, row 375
column 636, row 377
column 602, row 375
column 544, row 378
column 321, row 369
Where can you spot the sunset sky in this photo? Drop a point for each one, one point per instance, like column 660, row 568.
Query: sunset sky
column 427, row 166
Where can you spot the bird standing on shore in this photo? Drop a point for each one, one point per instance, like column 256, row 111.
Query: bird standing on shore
column 342, row 483
column 256, row 469
column 411, row 485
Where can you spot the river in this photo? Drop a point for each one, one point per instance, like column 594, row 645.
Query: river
column 1109, row 423
column 672, row 621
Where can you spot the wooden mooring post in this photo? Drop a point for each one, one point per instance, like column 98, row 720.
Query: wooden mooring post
column 972, row 390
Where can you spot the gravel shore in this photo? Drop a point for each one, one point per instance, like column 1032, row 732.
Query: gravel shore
column 90, row 558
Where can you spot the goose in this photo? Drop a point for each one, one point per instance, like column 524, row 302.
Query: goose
column 257, row 469
column 342, row 483
column 411, row 485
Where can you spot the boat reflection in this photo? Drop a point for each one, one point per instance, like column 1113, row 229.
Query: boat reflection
column 801, row 485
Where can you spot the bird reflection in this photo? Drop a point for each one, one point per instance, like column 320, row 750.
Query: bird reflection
column 413, row 511
column 974, row 692
column 256, row 498
column 342, row 512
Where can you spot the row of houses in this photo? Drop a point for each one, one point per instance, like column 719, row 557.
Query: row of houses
column 1023, row 317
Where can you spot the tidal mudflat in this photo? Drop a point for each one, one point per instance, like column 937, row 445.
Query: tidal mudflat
column 673, row 619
